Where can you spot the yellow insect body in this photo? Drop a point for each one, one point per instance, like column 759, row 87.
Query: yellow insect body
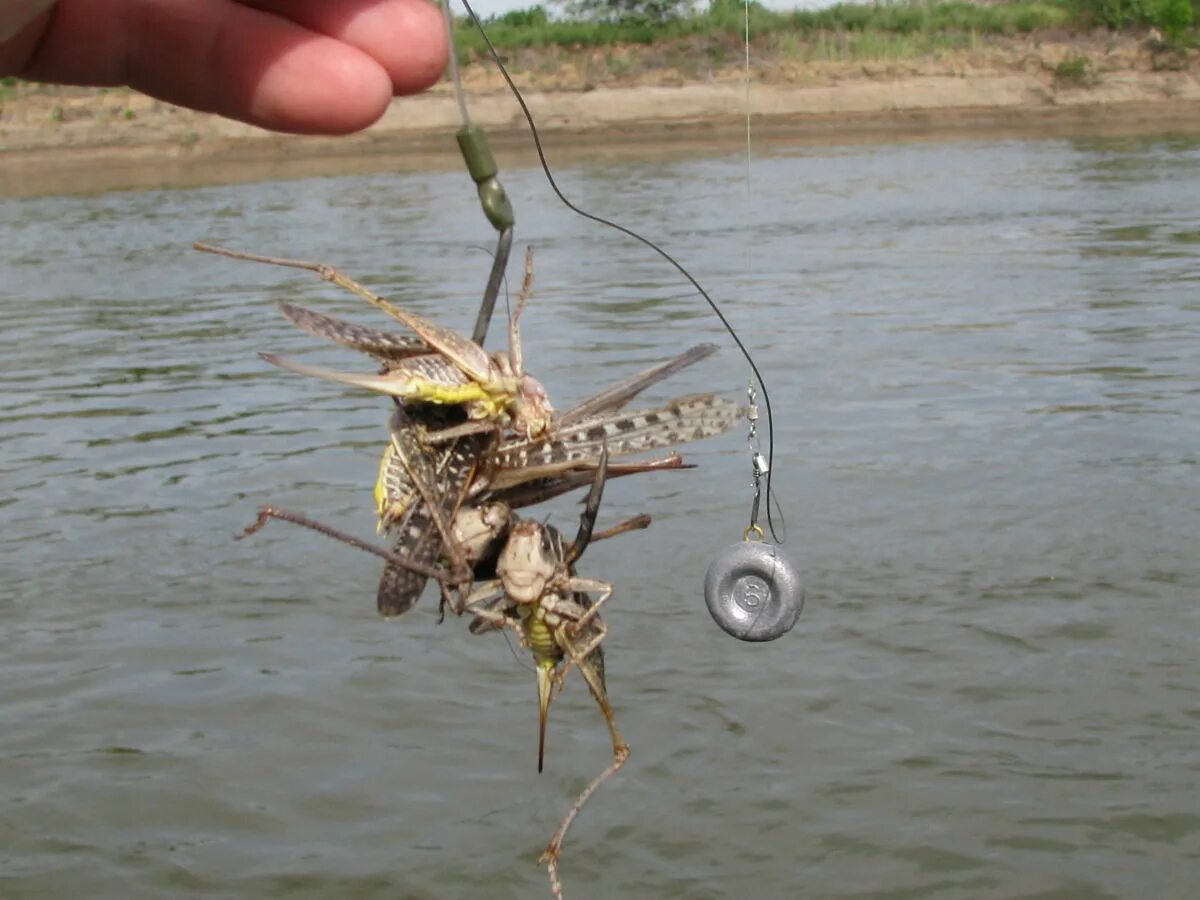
column 539, row 636
column 494, row 403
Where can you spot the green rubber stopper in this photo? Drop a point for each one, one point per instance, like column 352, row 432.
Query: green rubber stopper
column 476, row 153
column 496, row 207
column 482, row 165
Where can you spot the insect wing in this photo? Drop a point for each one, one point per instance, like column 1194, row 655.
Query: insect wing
column 566, row 477
column 464, row 353
column 617, row 395
column 690, row 418
column 407, row 378
column 400, row 587
column 395, row 488
column 439, row 482
column 382, row 345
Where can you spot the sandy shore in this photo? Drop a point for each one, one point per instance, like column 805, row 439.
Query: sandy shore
column 69, row 139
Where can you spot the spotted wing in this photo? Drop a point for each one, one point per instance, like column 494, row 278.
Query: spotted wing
column 689, row 418
column 439, row 479
column 382, row 345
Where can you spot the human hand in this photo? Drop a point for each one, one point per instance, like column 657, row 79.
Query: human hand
column 304, row 66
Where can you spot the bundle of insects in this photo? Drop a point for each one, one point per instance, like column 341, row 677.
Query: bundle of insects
column 440, row 460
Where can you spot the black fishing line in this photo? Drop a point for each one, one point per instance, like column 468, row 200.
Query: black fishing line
column 537, row 143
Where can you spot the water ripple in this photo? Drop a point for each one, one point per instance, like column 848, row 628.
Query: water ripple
column 982, row 360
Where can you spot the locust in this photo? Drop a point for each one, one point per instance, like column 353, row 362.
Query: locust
column 443, row 368
column 445, row 379
column 474, row 480
column 538, row 594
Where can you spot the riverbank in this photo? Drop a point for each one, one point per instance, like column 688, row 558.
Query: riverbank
column 71, row 139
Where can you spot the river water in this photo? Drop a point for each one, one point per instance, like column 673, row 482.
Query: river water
column 983, row 358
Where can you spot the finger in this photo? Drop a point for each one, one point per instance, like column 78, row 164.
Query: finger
column 20, row 40
column 406, row 37
column 219, row 56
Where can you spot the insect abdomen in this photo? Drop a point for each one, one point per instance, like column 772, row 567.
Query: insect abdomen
column 540, row 639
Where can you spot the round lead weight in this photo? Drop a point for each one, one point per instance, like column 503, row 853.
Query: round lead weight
column 753, row 591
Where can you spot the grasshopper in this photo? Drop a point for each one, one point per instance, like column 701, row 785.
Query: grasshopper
column 451, row 370
column 439, row 505
column 538, row 594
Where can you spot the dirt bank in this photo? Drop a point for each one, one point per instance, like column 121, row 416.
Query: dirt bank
column 63, row 139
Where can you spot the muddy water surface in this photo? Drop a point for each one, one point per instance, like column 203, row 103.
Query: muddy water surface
column 983, row 360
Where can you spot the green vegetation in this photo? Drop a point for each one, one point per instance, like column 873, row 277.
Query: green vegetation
column 917, row 24
column 1075, row 71
column 1172, row 17
column 624, row 10
column 842, row 46
column 534, row 28
column 1175, row 17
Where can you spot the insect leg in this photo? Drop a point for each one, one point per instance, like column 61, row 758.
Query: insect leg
column 549, row 857
column 587, row 521
column 266, row 513
column 492, row 291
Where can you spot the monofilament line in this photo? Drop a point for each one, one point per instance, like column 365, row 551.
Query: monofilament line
column 748, row 196
column 448, row 18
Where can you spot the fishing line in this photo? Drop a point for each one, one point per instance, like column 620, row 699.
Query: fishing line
column 454, row 76
column 748, row 250
column 513, row 650
column 537, row 142
column 746, row 35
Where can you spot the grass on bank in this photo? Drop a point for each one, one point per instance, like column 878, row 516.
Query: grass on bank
column 858, row 30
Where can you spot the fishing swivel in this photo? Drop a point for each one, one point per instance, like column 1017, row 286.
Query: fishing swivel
column 752, row 590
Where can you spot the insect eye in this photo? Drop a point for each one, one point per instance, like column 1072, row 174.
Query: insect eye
column 547, row 544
